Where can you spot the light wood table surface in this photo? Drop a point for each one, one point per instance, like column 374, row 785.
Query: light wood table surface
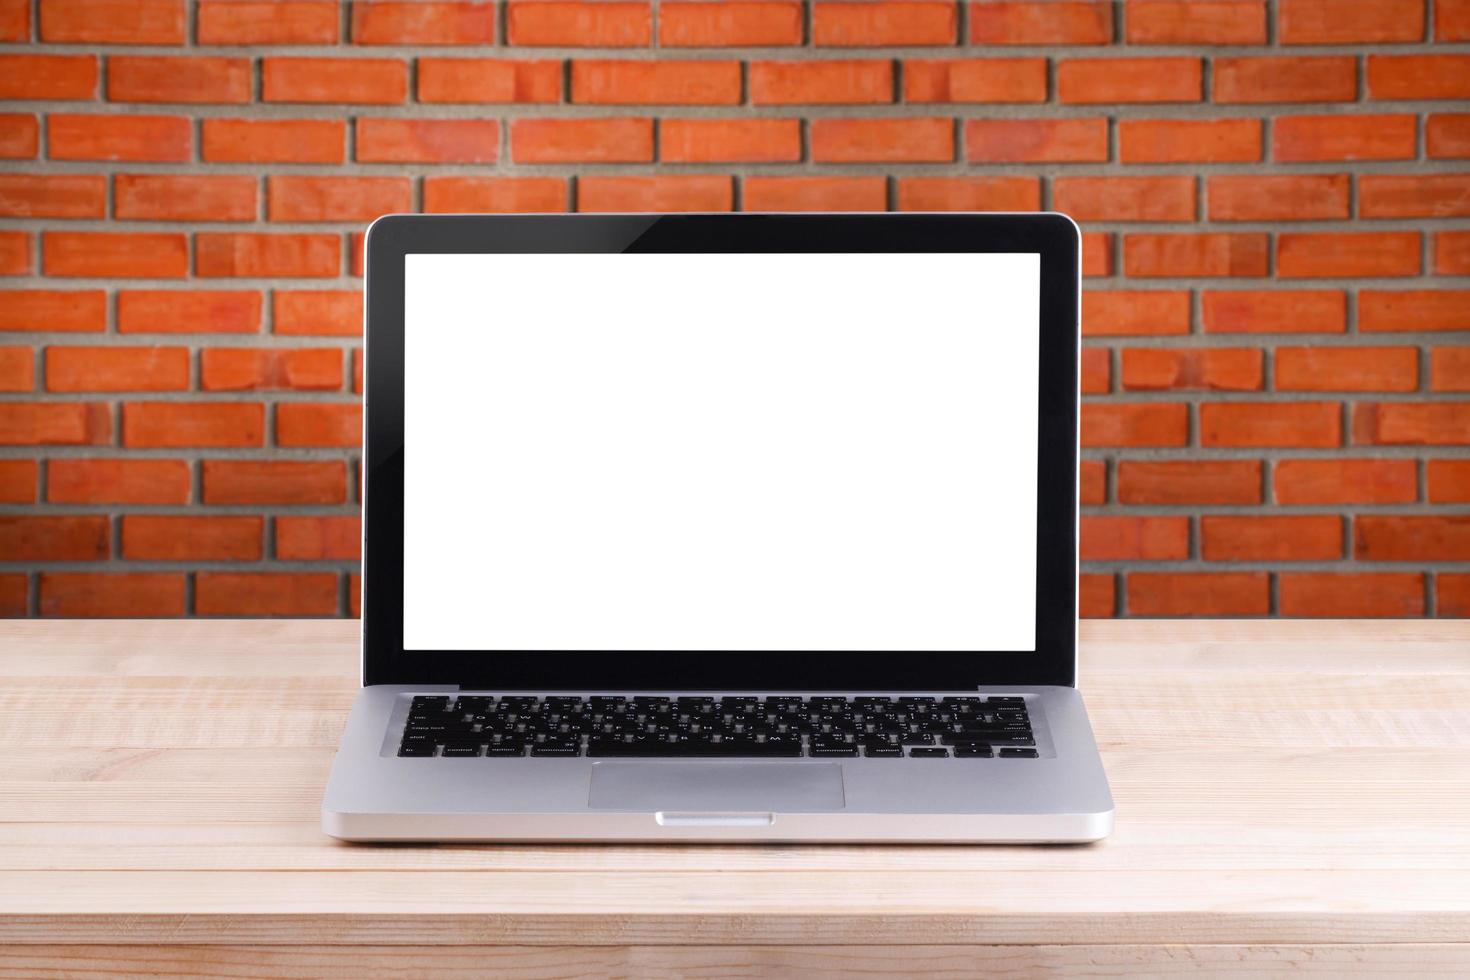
column 1293, row 797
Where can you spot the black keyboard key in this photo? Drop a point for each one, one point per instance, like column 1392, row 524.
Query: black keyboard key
column 416, row 749
column 825, row 751
column 922, row 753
column 883, row 752
column 461, row 751
column 556, row 749
column 1018, row 753
column 652, row 749
column 973, row 752
column 505, row 750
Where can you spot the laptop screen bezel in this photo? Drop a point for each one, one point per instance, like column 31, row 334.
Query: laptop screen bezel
column 1054, row 237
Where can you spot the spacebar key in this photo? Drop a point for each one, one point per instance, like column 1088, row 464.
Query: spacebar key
column 686, row 750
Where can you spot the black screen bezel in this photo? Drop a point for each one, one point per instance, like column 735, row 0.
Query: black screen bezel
column 1053, row 236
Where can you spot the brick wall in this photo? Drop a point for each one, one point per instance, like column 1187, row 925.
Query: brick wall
column 1275, row 197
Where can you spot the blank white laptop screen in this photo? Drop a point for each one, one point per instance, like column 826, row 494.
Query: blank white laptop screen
column 789, row 452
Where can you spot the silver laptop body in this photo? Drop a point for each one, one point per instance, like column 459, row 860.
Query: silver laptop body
column 727, row 527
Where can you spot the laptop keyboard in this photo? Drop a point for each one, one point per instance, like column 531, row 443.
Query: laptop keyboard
column 472, row 726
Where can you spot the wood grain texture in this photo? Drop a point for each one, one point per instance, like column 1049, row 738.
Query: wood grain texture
column 1292, row 797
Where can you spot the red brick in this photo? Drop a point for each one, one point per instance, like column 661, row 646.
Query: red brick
column 196, row 80
column 80, row 538
column 1232, row 481
column 111, row 596
column 1197, row 369
column 1452, row 253
column 188, row 311
column 114, row 368
column 1278, row 197
column 113, row 21
column 1097, row 253
column 1411, row 424
column 1277, row 311
column 1092, row 482
column 1133, row 538
column 459, row 195
column 17, row 369
column 1449, row 369
column 1036, row 140
column 170, row 538
column 1135, row 424
column 1279, row 79
column 54, row 424
column 423, row 22
column 1448, row 479
column 1423, row 76
column 882, row 140
column 274, row 140
column 268, row 21
column 1280, row 538
column 266, row 594
column 1347, row 368
column 600, row 24
column 884, row 23
column 1097, row 596
column 54, row 310
column 1216, row 254
column 1413, row 310
column 15, row 253
column 428, row 140
column 20, row 137
column 180, row 197
column 1041, row 22
column 356, row 253
column 1349, row 21
column 117, row 481
column 969, row 194
column 1447, row 135
column 1309, row 139
column 53, row 195
column 15, row 25
column 1346, row 481
column 161, row 255
column 1416, row 539
column 1414, row 196
column 318, row 538
column 1199, row 594
column 299, row 198
column 729, row 23
column 821, row 82
column 321, row 312
column 234, row 481
column 48, row 76
column 681, row 82
column 1129, row 312
column 373, row 81
column 1161, row 198
column 266, row 369
column 1189, row 140
column 1452, row 594
column 318, row 424
column 1452, row 20
column 730, row 140
column 1350, row 596
column 162, row 139
column 581, row 140
column 814, row 194
column 357, row 370
column 149, row 425
column 1225, row 425
column 14, row 587
column 665, row 192
column 975, row 80
column 1196, row 21
column 1093, row 81
column 1347, row 255
column 479, row 80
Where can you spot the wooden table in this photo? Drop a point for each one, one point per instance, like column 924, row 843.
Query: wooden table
column 1292, row 796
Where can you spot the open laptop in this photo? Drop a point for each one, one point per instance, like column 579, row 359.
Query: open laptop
column 720, row 527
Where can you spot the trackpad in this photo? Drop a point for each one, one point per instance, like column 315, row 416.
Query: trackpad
column 727, row 787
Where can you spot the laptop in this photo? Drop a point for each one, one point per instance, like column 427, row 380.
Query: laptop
column 720, row 527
